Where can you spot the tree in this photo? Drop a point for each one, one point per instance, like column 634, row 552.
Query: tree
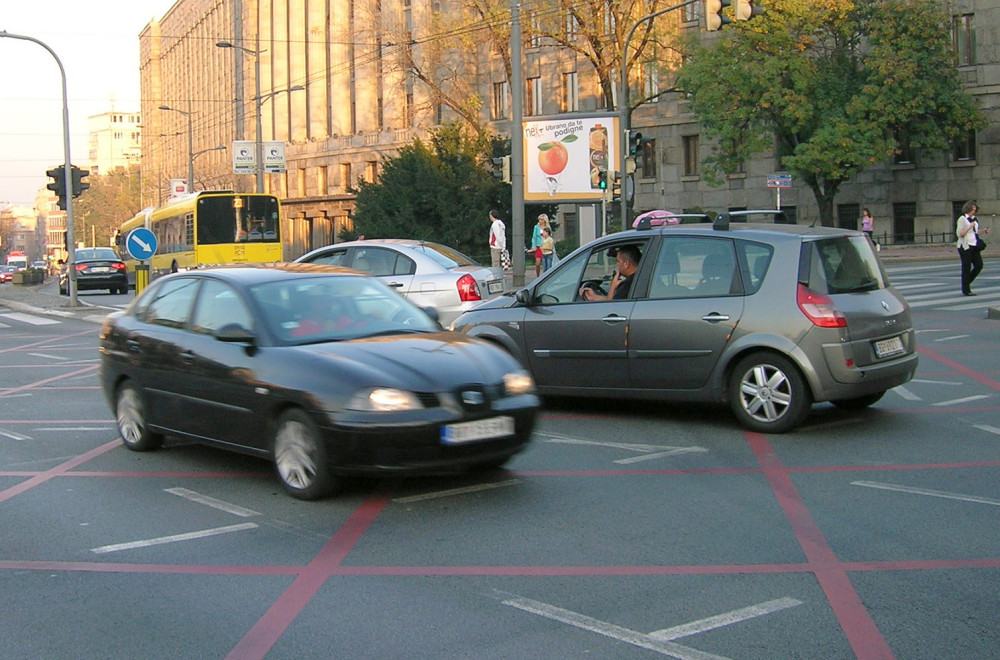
column 112, row 199
column 832, row 87
column 440, row 192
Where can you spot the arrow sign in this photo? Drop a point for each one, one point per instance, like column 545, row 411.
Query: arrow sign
column 140, row 243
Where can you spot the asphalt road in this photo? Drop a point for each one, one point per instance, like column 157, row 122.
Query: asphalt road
column 624, row 532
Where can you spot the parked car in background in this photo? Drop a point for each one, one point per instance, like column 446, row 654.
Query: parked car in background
column 39, row 265
column 325, row 371
column 769, row 318
column 7, row 274
column 429, row 274
column 96, row 268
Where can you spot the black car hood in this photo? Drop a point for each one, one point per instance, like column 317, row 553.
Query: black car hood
column 419, row 362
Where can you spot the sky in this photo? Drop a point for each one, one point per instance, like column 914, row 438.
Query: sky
column 97, row 42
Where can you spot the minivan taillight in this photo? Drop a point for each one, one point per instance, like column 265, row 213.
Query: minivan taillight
column 819, row 308
column 468, row 290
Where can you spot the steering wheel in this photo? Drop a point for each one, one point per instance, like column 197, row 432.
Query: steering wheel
column 596, row 285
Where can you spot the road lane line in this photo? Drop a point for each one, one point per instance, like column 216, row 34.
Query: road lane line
column 725, row 619
column 14, row 436
column 986, row 427
column 905, row 393
column 455, row 491
column 672, row 451
column 967, row 399
column 212, row 502
column 628, row 446
column 28, row 318
column 47, row 356
column 927, row 491
column 104, row 549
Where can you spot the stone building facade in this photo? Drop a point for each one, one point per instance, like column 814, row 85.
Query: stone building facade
column 358, row 105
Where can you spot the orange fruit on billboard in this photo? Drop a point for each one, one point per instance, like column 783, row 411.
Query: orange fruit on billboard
column 552, row 157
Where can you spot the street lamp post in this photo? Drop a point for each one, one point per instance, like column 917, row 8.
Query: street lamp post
column 220, row 147
column 189, row 116
column 258, row 139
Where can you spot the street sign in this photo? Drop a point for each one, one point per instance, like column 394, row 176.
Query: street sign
column 274, row 157
column 140, row 243
column 779, row 180
column 244, row 157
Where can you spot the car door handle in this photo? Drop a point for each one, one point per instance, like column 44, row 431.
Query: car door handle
column 397, row 285
column 615, row 318
column 715, row 317
column 187, row 357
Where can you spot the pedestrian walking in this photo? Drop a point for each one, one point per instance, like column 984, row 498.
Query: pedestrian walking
column 536, row 242
column 970, row 246
column 868, row 226
column 548, row 249
column 498, row 239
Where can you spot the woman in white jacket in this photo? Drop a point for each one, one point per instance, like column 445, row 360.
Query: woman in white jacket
column 969, row 246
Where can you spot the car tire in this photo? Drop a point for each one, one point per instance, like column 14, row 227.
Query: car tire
column 300, row 458
column 859, row 402
column 130, row 414
column 768, row 394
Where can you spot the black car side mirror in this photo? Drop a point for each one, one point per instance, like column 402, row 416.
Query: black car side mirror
column 522, row 296
column 236, row 333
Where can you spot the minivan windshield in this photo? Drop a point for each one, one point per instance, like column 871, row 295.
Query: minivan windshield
column 844, row 264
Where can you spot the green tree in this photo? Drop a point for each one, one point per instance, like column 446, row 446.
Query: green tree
column 111, row 199
column 442, row 192
column 832, row 87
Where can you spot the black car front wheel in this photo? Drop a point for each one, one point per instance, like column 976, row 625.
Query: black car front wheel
column 300, row 458
column 130, row 413
column 768, row 394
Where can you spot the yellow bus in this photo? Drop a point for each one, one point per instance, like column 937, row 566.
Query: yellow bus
column 208, row 228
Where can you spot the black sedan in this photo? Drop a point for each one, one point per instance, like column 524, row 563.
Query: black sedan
column 96, row 268
column 326, row 371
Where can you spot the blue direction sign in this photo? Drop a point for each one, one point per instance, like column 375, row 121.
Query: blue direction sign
column 779, row 180
column 141, row 243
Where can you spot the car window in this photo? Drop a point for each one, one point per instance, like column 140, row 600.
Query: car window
column 694, row 266
column 330, row 258
column 843, row 264
column 171, row 303
column 219, row 305
column 595, row 267
column 445, row 255
column 96, row 253
column 757, row 257
column 374, row 261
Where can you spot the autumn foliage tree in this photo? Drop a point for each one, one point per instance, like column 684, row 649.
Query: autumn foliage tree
column 112, row 199
column 831, row 86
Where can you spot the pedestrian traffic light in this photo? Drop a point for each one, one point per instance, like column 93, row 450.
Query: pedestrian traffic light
column 745, row 10
column 79, row 185
column 634, row 142
column 602, row 179
column 714, row 18
column 58, row 185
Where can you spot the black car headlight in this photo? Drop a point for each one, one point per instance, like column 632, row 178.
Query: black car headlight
column 518, row 382
column 384, row 399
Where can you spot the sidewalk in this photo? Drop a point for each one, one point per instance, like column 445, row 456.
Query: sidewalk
column 30, row 298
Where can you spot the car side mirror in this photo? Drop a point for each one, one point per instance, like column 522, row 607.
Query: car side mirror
column 235, row 333
column 522, row 296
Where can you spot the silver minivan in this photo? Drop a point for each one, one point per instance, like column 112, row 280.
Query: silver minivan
column 768, row 318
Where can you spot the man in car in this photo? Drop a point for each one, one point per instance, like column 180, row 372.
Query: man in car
column 628, row 262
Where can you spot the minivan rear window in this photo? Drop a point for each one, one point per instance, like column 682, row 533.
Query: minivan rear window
column 841, row 264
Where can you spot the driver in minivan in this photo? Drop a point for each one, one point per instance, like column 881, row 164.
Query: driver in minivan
column 621, row 282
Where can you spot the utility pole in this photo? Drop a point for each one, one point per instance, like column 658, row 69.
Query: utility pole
column 516, row 147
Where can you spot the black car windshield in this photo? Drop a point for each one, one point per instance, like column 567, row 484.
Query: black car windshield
column 96, row 253
column 336, row 308
column 444, row 255
column 845, row 264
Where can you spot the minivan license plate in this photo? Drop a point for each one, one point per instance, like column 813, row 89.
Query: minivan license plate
column 481, row 429
column 889, row 347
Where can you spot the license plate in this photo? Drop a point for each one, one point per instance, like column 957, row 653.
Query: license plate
column 100, row 269
column 481, row 429
column 889, row 347
column 496, row 286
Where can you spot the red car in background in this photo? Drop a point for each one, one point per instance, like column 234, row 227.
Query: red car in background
column 6, row 274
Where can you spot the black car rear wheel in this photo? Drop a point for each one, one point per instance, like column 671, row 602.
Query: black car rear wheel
column 130, row 412
column 768, row 394
column 300, row 458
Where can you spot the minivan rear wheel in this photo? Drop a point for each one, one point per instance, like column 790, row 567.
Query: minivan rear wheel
column 768, row 394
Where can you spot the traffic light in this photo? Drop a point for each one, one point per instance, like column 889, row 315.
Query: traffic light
column 501, row 168
column 58, row 186
column 79, row 185
column 634, row 142
column 602, row 179
column 616, row 186
column 745, row 10
column 714, row 18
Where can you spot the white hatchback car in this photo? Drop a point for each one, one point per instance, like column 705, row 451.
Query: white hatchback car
column 428, row 274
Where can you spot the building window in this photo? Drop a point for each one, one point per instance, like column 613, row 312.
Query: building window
column 648, row 159
column 691, row 163
column 848, row 215
column 904, row 151
column 345, row 177
column 570, row 26
column 500, row 96
column 650, row 82
column 903, row 222
column 690, row 13
column 569, row 99
column 408, row 110
column 371, row 171
column 964, row 149
column 534, row 36
column 321, row 174
column 533, row 100
column 964, row 36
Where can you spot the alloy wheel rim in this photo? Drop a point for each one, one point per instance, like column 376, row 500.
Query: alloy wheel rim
column 130, row 422
column 765, row 393
column 293, row 456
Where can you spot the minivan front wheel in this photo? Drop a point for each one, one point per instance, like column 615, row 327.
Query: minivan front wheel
column 768, row 394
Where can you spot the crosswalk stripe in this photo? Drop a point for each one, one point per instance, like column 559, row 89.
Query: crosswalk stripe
column 28, row 318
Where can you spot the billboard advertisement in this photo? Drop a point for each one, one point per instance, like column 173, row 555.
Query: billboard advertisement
column 562, row 157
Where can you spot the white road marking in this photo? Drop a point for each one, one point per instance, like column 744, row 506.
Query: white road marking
column 953, row 383
column 926, row 491
column 47, row 356
column 952, row 337
column 619, row 633
column 720, row 620
column 27, row 318
column 212, row 502
column 905, row 393
column 967, row 399
column 14, row 436
column 173, row 539
column 455, row 491
column 672, row 451
column 986, row 427
column 75, row 428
